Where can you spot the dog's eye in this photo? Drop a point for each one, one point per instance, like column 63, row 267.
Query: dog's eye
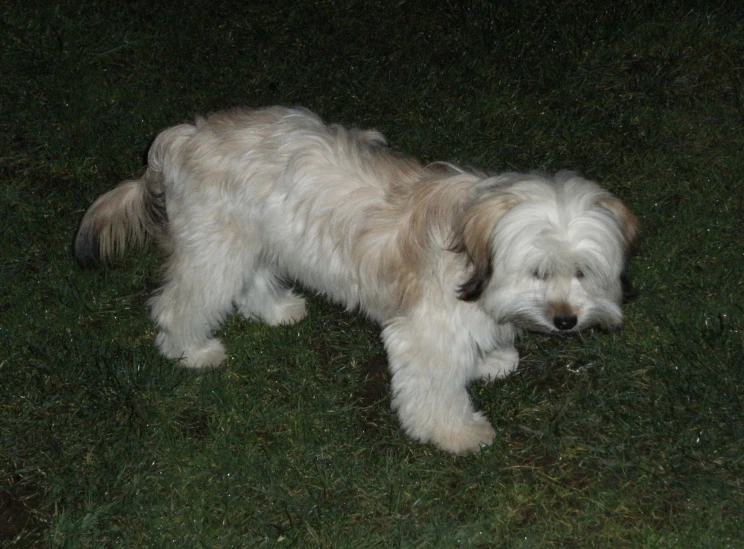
column 579, row 274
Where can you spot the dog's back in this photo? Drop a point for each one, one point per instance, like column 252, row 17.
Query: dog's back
column 323, row 203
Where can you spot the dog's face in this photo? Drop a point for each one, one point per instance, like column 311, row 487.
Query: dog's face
column 553, row 260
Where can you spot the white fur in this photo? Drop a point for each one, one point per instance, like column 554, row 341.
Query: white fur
column 452, row 263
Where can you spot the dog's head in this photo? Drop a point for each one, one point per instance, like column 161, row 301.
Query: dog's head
column 545, row 254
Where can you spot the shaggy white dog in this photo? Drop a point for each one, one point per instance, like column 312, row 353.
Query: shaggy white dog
column 450, row 261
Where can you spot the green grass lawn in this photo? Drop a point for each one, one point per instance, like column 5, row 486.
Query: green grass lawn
column 630, row 439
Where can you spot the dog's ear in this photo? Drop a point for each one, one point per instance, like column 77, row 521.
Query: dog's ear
column 628, row 223
column 472, row 237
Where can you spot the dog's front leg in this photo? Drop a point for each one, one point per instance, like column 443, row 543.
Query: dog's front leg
column 431, row 364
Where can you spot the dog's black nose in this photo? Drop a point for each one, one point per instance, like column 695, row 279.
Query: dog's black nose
column 565, row 322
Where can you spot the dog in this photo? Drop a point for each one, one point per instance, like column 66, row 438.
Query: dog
column 453, row 263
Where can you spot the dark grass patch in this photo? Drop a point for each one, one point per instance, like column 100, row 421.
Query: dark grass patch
column 20, row 503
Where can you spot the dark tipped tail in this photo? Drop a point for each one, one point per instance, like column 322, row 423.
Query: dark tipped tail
column 126, row 216
column 134, row 212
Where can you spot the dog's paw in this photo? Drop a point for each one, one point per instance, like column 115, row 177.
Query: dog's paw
column 289, row 310
column 499, row 363
column 468, row 437
column 210, row 355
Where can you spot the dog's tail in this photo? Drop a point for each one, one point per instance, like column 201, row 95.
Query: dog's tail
column 134, row 212
column 126, row 216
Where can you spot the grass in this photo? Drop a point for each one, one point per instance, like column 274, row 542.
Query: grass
column 631, row 439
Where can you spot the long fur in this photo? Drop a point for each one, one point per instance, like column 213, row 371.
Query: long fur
column 451, row 262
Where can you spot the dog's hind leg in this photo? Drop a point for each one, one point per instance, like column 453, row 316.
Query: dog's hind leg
column 192, row 303
column 266, row 298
